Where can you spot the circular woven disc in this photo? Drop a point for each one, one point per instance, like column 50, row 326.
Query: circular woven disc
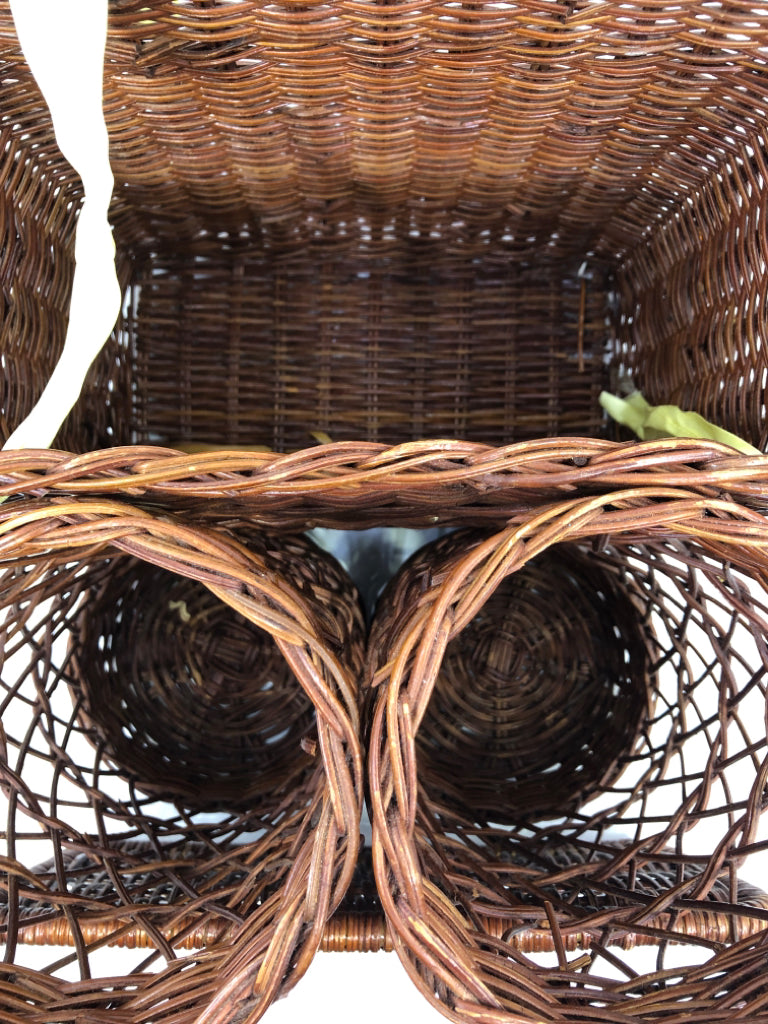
column 189, row 698
column 538, row 698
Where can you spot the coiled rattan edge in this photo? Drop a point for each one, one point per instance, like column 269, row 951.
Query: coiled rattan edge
column 370, row 933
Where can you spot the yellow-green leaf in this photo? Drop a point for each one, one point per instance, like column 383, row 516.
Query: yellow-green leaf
column 650, row 422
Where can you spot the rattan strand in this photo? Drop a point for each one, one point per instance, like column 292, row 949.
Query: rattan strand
column 359, row 932
column 273, row 862
column 357, row 926
column 696, row 570
column 347, row 933
column 364, row 933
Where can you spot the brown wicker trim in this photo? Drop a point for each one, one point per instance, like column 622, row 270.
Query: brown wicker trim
column 370, row 933
column 420, row 484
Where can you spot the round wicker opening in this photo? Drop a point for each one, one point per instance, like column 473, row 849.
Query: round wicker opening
column 534, row 906
column 181, row 766
column 187, row 698
column 540, row 699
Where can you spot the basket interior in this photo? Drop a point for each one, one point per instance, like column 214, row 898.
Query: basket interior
column 541, row 700
column 79, row 823
column 384, row 224
column 186, row 698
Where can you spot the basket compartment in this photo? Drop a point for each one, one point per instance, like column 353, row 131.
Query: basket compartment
column 540, row 700
column 144, row 804
column 313, row 206
column 495, row 894
column 191, row 701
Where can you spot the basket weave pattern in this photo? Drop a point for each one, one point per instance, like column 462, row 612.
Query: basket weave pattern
column 430, row 232
column 190, row 700
column 460, row 875
column 541, row 699
column 313, row 205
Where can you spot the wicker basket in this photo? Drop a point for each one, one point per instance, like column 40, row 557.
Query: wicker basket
column 181, row 761
column 667, row 542
column 391, row 225
column 315, row 204
column 541, row 700
column 486, row 658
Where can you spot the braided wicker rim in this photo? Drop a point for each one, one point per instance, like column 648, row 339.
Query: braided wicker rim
column 274, row 944
column 438, row 891
column 424, row 483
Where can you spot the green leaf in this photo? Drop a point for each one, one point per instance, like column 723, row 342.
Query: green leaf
column 650, row 422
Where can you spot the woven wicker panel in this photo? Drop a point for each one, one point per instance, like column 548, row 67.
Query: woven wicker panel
column 463, row 482
column 264, row 350
column 38, row 205
column 653, row 853
column 113, row 836
column 316, row 204
column 692, row 323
